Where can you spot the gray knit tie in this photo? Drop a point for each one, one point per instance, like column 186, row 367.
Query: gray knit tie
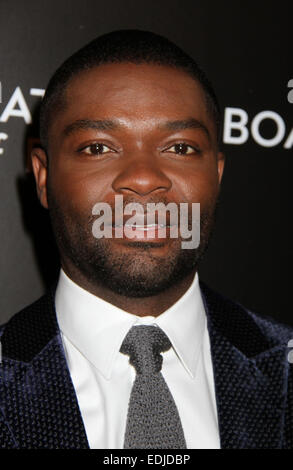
column 153, row 421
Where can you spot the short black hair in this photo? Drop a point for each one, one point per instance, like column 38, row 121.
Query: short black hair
column 134, row 46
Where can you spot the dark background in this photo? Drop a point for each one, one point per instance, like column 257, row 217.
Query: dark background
column 245, row 49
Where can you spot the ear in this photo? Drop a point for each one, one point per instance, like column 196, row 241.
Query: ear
column 40, row 169
column 221, row 164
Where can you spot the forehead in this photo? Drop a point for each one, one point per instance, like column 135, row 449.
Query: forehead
column 132, row 93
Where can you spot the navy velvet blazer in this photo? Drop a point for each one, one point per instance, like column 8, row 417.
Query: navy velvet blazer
column 253, row 379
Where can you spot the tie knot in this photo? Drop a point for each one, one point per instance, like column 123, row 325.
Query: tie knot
column 143, row 344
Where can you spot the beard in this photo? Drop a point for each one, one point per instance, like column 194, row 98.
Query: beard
column 137, row 272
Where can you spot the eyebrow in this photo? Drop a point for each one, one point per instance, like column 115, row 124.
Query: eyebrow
column 101, row 125
column 190, row 123
column 108, row 124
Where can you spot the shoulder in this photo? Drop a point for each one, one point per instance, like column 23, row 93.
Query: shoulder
column 30, row 329
column 236, row 321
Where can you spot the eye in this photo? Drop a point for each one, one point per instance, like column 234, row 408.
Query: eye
column 183, row 149
column 96, row 149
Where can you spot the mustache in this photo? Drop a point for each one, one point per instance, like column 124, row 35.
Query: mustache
column 144, row 202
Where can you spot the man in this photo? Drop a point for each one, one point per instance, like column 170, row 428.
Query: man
column 130, row 350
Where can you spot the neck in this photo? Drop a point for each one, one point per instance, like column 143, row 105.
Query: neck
column 140, row 306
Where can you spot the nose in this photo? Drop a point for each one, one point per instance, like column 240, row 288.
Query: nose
column 141, row 177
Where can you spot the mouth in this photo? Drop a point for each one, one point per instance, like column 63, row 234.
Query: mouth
column 143, row 231
column 144, row 227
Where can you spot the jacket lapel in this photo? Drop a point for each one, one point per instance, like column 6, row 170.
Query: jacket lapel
column 250, row 379
column 41, row 405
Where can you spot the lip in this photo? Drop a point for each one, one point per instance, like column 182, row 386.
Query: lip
column 146, row 220
column 144, row 227
column 144, row 232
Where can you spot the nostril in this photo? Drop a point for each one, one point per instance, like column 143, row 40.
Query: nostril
column 141, row 181
column 140, row 191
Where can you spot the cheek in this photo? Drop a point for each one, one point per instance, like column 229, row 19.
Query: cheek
column 198, row 186
column 77, row 189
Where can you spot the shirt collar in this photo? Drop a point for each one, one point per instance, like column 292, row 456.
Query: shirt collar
column 97, row 328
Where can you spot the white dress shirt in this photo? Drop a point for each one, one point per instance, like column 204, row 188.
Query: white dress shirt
column 92, row 332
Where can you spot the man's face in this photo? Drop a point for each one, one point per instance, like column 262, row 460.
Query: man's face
column 143, row 132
